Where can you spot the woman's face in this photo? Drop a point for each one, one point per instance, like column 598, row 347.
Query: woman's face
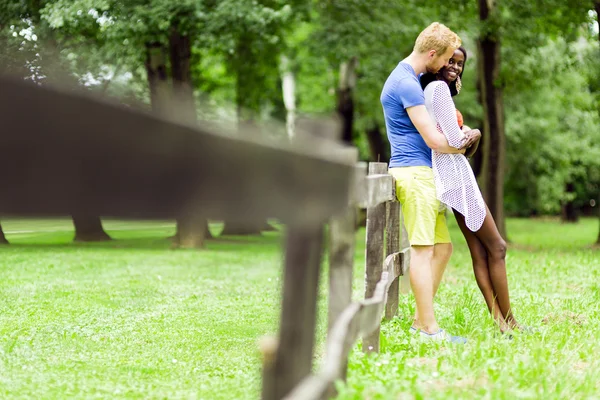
column 454, row 67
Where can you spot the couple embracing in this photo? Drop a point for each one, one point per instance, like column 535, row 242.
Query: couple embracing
column 429, row 148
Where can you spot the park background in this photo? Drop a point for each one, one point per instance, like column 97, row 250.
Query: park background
column 129, row 318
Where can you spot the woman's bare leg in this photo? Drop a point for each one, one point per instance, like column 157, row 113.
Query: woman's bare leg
column 496, row 250
column 479, row 257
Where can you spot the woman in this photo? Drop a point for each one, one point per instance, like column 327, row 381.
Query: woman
column 457, row 188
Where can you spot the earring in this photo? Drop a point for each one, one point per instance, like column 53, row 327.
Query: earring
column 458, row 84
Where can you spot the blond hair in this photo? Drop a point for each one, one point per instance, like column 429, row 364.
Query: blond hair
column 437, row 37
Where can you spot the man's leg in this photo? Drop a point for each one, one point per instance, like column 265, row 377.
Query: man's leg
column 441, row 256
column 421, row 282
column 442, row 250
column 415, row 189
column 416, row 192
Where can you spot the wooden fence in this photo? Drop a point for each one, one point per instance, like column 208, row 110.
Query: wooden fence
column 66, row 153
column 350, row 320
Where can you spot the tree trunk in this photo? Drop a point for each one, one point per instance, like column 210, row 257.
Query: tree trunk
column 288, row 88
column 345, row 101
column 156, row 70
column 477, row 159
column 235, row 227
column 2, row 237
column 492, row 174
column 569, row 212
column 179, row 221
column 89, row 229
column 245, row 116
column 188, row 235
column 597, row 6
column 377, row 146
column 598, row 205
column 191, row 232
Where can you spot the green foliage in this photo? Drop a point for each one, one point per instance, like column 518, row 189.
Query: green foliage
column 250, row 35
column 552, row 130
column 549, row 75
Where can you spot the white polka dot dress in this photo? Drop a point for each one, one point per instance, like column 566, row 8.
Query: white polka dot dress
column 455, row 182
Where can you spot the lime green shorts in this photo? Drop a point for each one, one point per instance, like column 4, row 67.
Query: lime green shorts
column 424, row 220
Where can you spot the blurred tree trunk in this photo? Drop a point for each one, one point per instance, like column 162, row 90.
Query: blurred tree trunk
column 377, row 146
column 191, row 230
column 477, row 159
column 598, row 205
column 244, row 97
column 89, row 229
column 2, row 237
column 345, row 97
column 156, row 70
column 597, row 6
column 492, row 173
column 568, row 210
column 288, row 89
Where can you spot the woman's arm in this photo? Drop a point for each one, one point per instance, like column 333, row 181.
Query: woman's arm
column 445, row 114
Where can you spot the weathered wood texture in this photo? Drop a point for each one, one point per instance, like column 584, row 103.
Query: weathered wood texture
column 341, row 265
column 293, row 360
column 379, row 188
column 87, row 156
column 374, row 254
column 341, row 260
column 392, row 245
column 404, row 245
column 358, row 319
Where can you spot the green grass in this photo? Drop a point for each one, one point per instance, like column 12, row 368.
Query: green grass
column 134, row 319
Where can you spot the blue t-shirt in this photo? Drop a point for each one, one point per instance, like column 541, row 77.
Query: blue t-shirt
column 401, row 91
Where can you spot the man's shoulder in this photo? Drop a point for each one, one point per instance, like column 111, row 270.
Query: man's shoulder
column 403, row 71
column 396, row 82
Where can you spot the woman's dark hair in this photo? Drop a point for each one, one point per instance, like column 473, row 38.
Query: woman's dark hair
column 428, row 77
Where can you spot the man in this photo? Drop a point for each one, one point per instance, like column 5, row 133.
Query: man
column 412, row 136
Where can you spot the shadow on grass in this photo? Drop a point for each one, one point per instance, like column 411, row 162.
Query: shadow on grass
column 159, row 244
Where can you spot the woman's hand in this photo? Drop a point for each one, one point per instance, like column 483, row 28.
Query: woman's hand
column 471, row 137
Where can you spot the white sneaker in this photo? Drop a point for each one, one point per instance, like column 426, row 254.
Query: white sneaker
column 440, row 335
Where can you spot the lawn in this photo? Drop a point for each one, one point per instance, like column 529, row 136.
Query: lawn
column 134, row 319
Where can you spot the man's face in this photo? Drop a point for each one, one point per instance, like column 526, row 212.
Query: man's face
column 436, row 61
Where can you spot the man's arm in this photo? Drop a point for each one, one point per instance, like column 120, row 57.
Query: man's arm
column 434, row 140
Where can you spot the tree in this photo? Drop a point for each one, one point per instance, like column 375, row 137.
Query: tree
column 557, row 19
column 3, row 239
column 250, row 35
column 192, row 228
column 492, row 179
column 145, row 29
column 551, row 151
column 41, row 62
column 597, row 88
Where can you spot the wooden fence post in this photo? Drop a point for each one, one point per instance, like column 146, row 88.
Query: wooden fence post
column 293, row 360
column 341, row 265
column 404, row 244
column 268, row 348
column 374, row 254
column 392, row 246
column 341, row 262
